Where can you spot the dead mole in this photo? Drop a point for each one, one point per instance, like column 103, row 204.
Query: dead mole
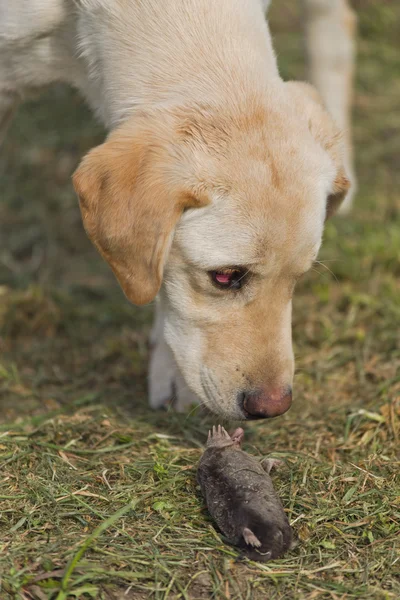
column 241, row 498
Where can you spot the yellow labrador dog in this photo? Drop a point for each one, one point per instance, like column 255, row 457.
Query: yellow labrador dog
column 213, row 187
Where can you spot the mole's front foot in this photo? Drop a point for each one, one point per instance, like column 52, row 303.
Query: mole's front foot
column 219, row 437
column 268, row 464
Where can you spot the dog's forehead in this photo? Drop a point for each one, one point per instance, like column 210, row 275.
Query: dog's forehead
column 267, row 234
column 267, row 206
column 216, row 237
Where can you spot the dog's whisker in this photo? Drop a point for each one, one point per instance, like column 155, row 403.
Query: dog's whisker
column 318, row 262
column 201, row 404
column 206, row 387
column 210, row 388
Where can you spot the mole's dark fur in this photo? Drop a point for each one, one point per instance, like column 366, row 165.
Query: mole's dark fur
column 241, row 498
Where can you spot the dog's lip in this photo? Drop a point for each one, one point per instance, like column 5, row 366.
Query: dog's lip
column 249, row 417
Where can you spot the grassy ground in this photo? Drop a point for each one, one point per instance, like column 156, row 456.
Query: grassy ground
column 97, row 494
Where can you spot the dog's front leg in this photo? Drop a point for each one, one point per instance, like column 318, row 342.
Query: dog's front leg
column 265, row 5
column 162, row 375
column 166, row 384
column 184, row 397
column 330, row 27
column 162, row 368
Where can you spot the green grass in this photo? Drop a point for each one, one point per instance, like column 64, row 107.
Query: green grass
column 98, row 497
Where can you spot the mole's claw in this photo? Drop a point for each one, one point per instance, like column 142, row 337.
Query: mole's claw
column 225, row 433
column 266, row 555
column 250, row 538
column 219, row 437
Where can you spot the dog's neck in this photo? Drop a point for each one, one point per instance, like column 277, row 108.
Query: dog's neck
column 200, row 50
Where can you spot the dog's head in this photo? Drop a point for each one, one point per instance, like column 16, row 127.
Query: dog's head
column 219, row 211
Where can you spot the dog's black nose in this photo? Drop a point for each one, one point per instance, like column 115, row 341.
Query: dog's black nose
column 264, row 404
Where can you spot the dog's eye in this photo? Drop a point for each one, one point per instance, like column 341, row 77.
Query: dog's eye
column 229, row 278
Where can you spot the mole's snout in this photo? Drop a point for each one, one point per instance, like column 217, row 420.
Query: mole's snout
column 237, row 436
column 265, row 404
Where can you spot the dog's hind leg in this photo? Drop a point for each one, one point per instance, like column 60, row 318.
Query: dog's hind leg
column 330, row 27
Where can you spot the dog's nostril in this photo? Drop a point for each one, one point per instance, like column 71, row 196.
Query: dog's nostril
column 265, row 404
column 241, row 399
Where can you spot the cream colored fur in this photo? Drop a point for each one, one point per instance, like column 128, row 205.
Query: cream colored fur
column 212, row 162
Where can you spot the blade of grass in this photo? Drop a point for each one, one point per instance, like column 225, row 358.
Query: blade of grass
column 63, row 593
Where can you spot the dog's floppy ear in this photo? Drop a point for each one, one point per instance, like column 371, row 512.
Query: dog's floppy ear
column 132, row 194
column 327, row 133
